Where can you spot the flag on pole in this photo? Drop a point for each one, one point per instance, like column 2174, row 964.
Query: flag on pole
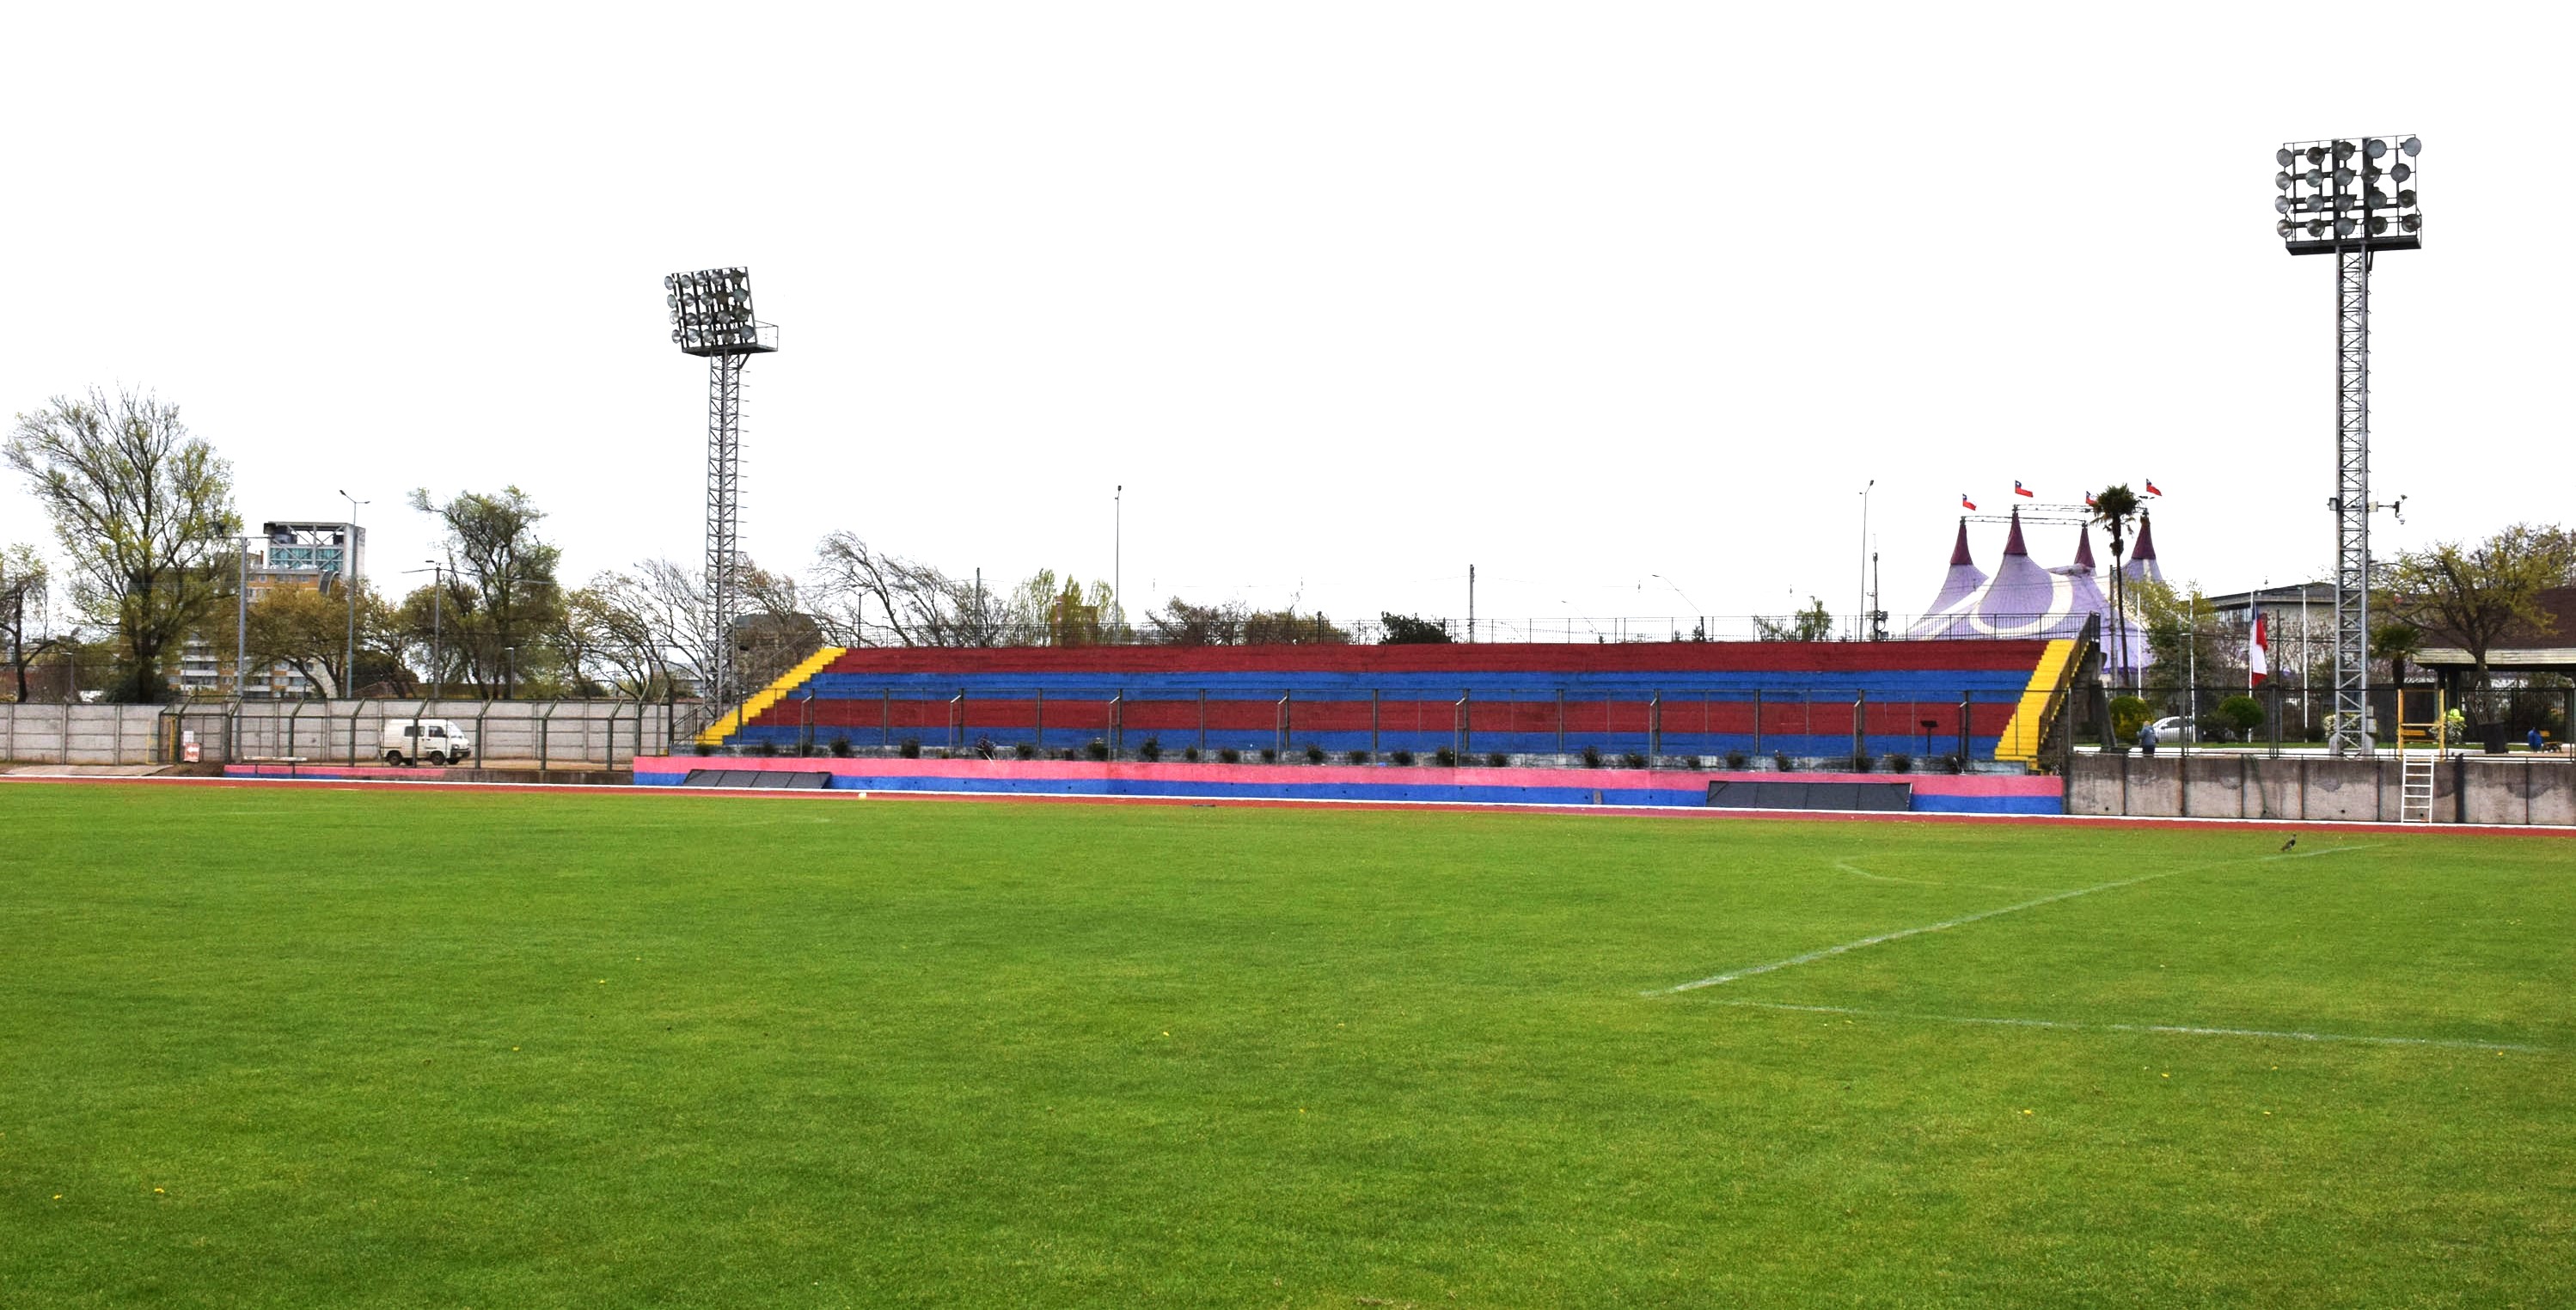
column 2258, row 655
column 2020, row 490
column 2151, row 488
column 2088, row 501
column 1965, row 503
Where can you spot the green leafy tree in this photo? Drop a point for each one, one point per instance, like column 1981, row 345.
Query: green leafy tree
column 2472, row 594
column 502, row 577
column 143, row 512
column 308, row 630
column 1814, row 623
column 1411, row 630
column 2243, row 713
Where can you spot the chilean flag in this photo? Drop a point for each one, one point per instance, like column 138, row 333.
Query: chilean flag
column 2258, row 655
column 2151, row 488
column 1965, row 503
column 2088, row 501
column 2020, row 490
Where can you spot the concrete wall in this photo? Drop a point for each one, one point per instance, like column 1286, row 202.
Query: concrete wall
column 2518, row 789
column 78, row 734
column 561, row 734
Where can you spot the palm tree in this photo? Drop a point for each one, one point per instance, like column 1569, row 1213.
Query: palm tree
column 2113, row 507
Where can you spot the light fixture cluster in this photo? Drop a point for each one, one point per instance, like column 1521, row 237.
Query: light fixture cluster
column 711, row 312
column 2352, row 192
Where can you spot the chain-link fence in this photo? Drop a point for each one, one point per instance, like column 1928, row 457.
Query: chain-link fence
column 2277, row 718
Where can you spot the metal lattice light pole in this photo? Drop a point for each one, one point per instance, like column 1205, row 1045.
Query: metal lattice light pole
column 711, row 316
column 2350, row 198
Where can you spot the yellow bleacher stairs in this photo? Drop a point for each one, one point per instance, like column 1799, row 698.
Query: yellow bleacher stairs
column 2031, row 719
column 770, row 695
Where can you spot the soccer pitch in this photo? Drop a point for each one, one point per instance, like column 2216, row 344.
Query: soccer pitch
column 407, row 1046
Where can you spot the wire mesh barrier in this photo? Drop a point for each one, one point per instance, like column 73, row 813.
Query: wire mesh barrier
column 2277, row 719
column 1714, row 727
column 1560, row 629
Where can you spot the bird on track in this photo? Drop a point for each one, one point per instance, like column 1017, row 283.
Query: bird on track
column 2293, row 841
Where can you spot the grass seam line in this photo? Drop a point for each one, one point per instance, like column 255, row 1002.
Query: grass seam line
column 1845, row 948
column 2173, row 1029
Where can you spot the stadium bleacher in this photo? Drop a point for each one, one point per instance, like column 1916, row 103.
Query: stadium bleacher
column 1802, row 699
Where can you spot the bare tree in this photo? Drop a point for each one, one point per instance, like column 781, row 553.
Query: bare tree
column 142, row 510
column 863, row 597
column 26, row 612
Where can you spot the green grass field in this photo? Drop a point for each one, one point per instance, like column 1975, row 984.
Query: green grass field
column 405, row 1047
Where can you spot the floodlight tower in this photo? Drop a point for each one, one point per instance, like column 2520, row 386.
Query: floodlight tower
column 2350, row 198
column 711, row 316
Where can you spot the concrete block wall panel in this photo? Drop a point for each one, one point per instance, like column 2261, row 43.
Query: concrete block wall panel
column 2508, row 791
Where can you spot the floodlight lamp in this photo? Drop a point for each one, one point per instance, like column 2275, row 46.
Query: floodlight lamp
column 2281, row 181
column 2378, row 225
column 2374, row 147
column 2317, row 228
column 2343, row 177
column 2285, row 227
column 2280, row 204
column 2316, row 154
column 2401, row 172
column 2378, row 198
column 2316, row 177
column 2343, row 227
column 2283, row 156
column 2406, row 199
column 2410, row 145
column 2412, row 222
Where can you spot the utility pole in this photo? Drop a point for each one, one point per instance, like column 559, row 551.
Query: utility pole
column 241, row 621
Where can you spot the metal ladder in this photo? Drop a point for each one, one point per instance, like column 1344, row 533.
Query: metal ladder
column 2415, row 782
column 2415, row 767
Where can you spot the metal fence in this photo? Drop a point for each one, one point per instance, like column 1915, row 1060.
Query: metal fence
column 552, row 734
column 2291, row 718
column 1550, row 628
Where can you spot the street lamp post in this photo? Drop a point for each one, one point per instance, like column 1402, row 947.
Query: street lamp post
column 1859, row 624
column 437, row 622
column 349, row 580
column 241, row 620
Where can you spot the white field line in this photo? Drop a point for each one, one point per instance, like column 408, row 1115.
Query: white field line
column 2186, row 1030
column 1858, row 872
column 1825, row 953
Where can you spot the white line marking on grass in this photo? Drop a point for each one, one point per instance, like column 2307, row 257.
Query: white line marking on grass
column 1826, row 953
column 2185, row 1030
column 1858, row 872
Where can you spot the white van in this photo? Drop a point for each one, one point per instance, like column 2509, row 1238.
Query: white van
column 412, row 741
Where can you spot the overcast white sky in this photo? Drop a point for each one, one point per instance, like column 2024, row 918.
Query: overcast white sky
column 1348, row 296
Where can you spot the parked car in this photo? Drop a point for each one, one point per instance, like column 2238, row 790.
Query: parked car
column 437, row 741
column 2174, row 729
